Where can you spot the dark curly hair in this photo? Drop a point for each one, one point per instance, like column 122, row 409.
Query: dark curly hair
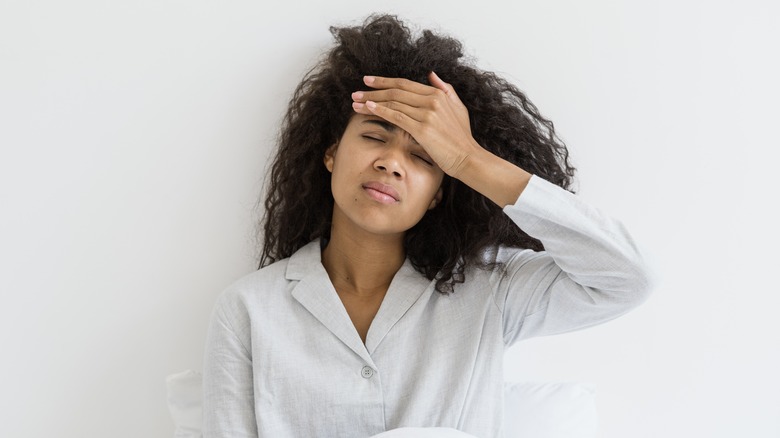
column 299, row 202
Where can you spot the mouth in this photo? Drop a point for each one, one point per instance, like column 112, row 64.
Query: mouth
column 381, row 192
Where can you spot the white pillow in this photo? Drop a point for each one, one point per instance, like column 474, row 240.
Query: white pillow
column 535, row 410
column 185, row 394
column 423, row 432
column 550, row 410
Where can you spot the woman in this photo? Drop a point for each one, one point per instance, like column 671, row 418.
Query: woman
column 418, row 222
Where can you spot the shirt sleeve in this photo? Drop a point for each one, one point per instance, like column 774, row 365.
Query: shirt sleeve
column 228, row 395
column 591, row 270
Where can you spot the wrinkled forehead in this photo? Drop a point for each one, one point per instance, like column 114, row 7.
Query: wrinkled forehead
column 362, row 120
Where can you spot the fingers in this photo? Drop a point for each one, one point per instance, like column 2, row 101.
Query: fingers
column 383, row 83
column 395, row 113
column 370, row 108
column 402, row 101
column 436, row 81
column 390, row 95
column 448, row 89
column 394, row 88
column 407, row 92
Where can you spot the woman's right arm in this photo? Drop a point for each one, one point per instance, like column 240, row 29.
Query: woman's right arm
column 228, row 394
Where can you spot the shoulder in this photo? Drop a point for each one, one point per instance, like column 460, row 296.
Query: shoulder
column 266, row 287
column 256, row 287
column 260, row 280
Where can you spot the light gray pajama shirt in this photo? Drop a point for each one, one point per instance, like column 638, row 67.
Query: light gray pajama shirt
column 283, row 358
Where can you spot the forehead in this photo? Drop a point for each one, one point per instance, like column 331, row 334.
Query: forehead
column 367, row 121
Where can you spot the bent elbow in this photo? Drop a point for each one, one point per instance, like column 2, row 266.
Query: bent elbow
column 644, row 281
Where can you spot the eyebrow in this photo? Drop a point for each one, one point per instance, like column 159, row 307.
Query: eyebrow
column 384, row 124
column 387, row 126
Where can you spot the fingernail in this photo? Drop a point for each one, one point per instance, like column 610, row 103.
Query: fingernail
column 357, row 95
column 371, row 104
column 368, row 79
column 357, row 105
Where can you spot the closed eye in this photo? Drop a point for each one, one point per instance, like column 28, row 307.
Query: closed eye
column 425, row 159
column 368, row 137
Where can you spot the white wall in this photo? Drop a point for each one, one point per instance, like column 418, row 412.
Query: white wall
column 134, row 138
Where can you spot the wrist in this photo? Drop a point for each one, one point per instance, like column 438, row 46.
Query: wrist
column 494, row 177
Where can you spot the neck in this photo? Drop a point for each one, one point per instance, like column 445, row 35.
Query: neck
column 362, row 264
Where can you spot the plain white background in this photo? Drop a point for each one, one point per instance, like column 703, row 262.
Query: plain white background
column 135, row 137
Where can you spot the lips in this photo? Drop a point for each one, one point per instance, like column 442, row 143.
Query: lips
column 382, row 192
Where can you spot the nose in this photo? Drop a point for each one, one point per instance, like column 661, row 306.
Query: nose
column 391, row 161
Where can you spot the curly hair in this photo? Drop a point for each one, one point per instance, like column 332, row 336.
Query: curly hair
column 449, row 238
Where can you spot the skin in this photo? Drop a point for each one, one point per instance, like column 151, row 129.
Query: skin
column 424, row 123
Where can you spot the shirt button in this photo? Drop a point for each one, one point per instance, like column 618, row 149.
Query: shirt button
column 367, row 372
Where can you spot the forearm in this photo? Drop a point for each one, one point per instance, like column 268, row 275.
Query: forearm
column 497, row 179
column 590, row 271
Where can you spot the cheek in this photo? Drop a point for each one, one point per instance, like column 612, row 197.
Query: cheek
column 424, row 190
column 431, row 182
column 342, row 182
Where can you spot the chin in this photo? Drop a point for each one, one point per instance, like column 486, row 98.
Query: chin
column 384, row 230
column 382, row 226
column 378, row 220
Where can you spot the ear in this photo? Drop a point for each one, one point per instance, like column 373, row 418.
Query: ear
column 436, row 199
column 330, row 154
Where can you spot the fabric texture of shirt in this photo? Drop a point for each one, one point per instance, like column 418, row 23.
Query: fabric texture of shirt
column 283, row 358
